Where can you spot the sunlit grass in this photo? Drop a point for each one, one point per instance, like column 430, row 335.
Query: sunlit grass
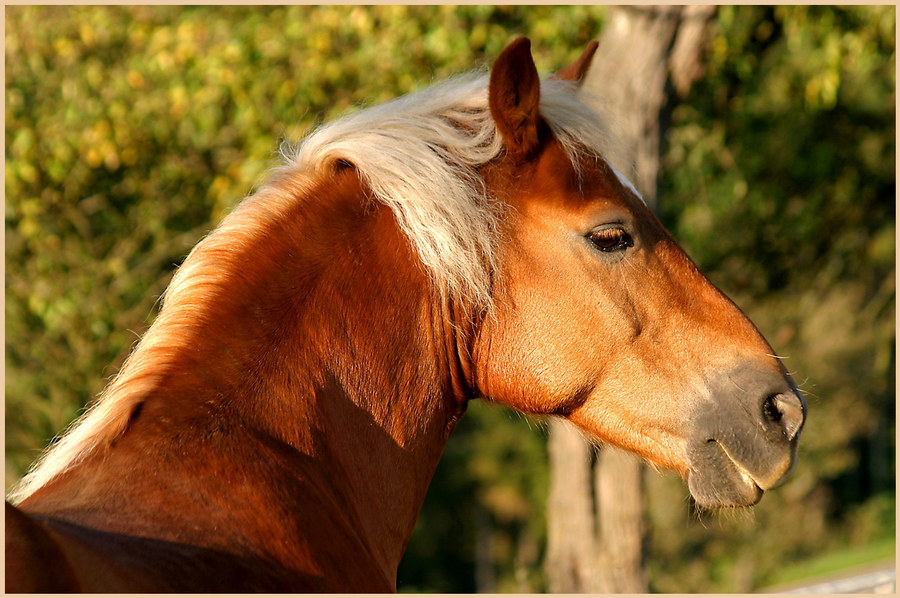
column 835, row 562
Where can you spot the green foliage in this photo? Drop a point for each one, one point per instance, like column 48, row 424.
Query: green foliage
column 784, row 128
column 132, row 131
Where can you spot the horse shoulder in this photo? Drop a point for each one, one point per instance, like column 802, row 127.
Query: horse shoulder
column 118, row 523
column 31, row 554
column 45, row 555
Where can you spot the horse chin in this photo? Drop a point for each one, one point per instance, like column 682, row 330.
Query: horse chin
column 716, row 481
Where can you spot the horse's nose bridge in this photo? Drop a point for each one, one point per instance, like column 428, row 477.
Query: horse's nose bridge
column 707, row 316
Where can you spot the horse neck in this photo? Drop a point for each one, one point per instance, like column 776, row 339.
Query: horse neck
column 318, row 330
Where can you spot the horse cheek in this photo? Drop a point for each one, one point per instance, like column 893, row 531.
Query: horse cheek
column 518, row 364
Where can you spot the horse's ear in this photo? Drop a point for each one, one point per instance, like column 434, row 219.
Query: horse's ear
column 576, row 70
column 514, row 94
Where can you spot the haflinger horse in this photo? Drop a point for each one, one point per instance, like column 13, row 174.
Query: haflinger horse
column 278, row 425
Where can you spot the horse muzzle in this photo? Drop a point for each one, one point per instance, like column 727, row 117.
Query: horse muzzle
column 744, row 437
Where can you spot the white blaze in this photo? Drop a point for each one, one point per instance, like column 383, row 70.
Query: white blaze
column 626, row 183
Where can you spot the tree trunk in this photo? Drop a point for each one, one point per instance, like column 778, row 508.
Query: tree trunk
column 648, row 57
column 571, row 540
column 485, row 579
column 619, row 492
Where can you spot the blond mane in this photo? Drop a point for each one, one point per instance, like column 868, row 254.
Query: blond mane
column 420, row 155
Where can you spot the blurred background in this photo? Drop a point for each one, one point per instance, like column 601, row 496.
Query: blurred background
column 130, row 132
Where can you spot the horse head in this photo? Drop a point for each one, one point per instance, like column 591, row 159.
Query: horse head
column 597, row 315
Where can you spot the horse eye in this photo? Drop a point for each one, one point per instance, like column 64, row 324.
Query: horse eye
column 611, row 239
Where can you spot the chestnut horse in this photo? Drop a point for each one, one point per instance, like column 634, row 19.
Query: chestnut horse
column 278, row 425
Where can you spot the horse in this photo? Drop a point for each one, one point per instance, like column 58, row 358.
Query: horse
column 277, row 426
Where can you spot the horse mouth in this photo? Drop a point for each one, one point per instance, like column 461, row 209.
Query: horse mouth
column 720, row 480
column 741, row 469
column 742, row 443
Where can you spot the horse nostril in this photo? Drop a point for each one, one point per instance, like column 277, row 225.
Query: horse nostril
column 786, row 410
column 770, row 409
